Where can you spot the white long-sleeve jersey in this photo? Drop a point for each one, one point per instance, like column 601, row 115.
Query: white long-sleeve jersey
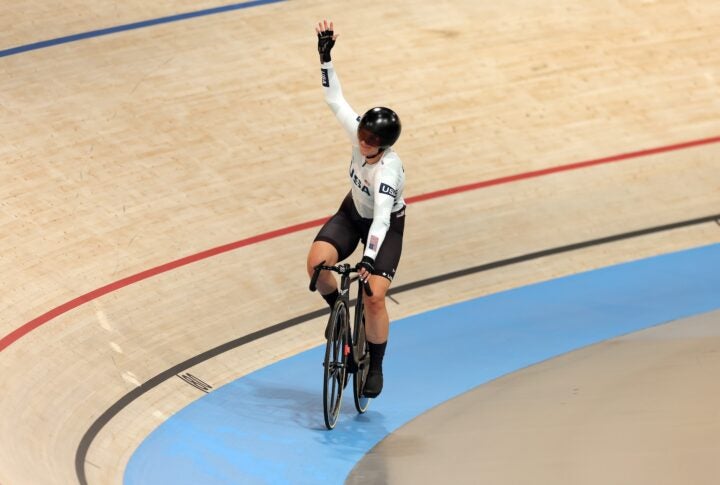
column 376, row 188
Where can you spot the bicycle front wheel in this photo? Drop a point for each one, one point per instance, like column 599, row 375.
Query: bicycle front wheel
column 335, row 364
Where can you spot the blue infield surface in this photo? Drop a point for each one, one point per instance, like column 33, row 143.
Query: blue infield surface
column 267, row 427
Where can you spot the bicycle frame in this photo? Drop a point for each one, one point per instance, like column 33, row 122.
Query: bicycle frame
column 345, row 271
column 357, row 358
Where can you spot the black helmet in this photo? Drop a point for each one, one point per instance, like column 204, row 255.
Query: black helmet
column 379, row 127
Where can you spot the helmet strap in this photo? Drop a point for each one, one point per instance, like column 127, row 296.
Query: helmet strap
column 380, row 151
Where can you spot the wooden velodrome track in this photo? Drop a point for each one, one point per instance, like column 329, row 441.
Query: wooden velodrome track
column 124, row 152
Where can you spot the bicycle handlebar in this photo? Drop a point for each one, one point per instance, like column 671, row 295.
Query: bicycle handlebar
column 339, row 269
column 316, row 273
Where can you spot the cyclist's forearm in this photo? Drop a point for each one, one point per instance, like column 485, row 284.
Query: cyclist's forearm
column 332, row 91
column 378, row 229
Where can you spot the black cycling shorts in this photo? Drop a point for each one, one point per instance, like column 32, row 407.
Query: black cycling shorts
column 346, row 228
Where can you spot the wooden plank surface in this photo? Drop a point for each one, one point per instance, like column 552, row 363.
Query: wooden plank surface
column 125, row 152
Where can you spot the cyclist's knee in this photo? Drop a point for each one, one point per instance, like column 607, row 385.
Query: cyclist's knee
column 375, row 304
column 321, row 251
column 312, row 261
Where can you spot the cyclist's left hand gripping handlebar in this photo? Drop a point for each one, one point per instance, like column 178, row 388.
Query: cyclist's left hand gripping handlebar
column 369, row 265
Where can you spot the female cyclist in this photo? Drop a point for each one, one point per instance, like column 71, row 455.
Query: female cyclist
column 373, row 211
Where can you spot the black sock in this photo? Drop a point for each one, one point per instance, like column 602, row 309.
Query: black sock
column 331, row 298
column 377, row 352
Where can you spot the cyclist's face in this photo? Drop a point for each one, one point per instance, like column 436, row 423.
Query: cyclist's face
column 367, row 150
column 369, row 143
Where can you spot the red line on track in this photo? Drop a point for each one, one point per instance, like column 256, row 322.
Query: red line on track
column 18, row 333
column 562, row 168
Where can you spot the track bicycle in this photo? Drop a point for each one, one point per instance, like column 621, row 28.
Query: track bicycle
column 346, row 351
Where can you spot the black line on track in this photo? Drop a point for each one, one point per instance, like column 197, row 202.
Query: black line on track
column 127, row 399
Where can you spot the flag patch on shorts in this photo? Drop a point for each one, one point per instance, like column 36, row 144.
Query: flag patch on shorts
column 373, row 243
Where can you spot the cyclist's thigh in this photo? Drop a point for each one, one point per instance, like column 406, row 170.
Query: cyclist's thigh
column 341, row 233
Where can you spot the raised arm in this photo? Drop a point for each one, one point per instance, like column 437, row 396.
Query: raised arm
column 332, row 90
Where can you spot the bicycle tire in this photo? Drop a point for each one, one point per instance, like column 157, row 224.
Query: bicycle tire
column 361, row 351
column 335, row 363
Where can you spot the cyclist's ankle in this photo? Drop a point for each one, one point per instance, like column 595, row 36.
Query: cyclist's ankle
column 377, row 352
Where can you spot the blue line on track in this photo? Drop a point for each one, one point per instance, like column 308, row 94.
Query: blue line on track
column 267, row 427
column 136, row 25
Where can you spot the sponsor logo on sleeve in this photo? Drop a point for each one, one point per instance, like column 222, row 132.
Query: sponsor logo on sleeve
column 325, row 81
column 386, row 189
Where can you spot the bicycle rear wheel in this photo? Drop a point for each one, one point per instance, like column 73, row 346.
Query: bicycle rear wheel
column 361, row 351
column 335, row 364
